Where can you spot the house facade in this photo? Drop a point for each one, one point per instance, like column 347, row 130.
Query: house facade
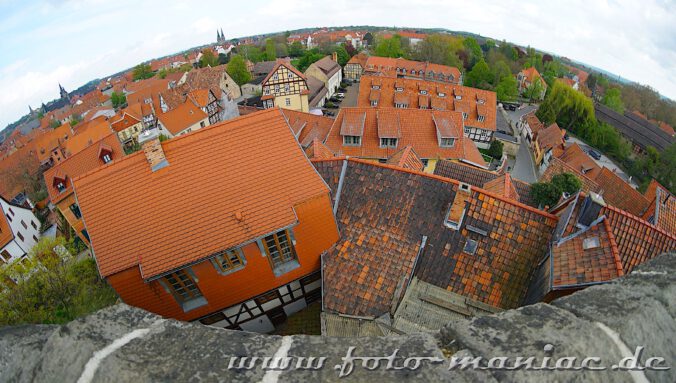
column 285, row 87
column 183, row 119
column 127, row 128
column 355, row 67
column 19, row 232
column 327, row 71
column 219, row 251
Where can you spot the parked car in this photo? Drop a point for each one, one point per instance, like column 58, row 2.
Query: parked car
column 595, row 155
column 341, row 95
column 509, row 106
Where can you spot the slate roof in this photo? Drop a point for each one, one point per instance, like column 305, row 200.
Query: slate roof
column 637, row 129
column 479, row 178
column 384, row 213
column 411, row 97
column 417, row 129
column 262, row 68
column 225, row 167
column 80, row 163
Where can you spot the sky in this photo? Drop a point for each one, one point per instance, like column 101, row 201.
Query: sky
column 44, row 43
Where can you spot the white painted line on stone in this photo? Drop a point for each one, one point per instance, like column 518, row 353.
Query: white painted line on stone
column 95, row 361
column 272, row 376
column 637, row 375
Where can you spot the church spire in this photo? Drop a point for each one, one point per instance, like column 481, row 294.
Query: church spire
column 222, row 36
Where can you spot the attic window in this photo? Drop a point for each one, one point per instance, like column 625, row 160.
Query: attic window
column 399, row 89
column 106, row 158
column 423, row 92
column 441, row 94
column 352, row 140
column 60, row 186
column 447, row 142
column 481, row 118
column 376, row 87
column 470, row 247
column 465, row 187
column 388, row 142
column 591, row 243
column 464, row 115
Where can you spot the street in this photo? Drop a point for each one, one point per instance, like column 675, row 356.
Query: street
column 522, row 167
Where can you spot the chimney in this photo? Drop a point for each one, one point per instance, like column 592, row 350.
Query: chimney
column 334, row 56
column 591, row 207
column 152, row 148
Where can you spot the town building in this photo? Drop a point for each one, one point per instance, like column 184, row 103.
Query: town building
column 355, row 66
column 548, row 143
column 183, row 119
column 399, row 67
column 19, row 231
column 478, row 107
column 213, row 230
column 327, row 71
column 639, row 131
column 59, row 178
column 528, row 77
column 285, row 87
column 378, row 133
column 308, row 127
column 127, row 127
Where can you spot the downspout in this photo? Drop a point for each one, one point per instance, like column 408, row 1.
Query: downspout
column 340, row 185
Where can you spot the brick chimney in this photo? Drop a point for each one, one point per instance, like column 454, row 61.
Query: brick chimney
column 334, row 56
column 152, row 148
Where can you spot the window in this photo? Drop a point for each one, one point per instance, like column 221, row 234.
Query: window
column 279, row 248
column 447, row 142
column 351, row 140
column 458, row 97
column 376, row 87
column 60, row 187
column 287, row 88
column 276, row 88
column 35, row 238
column 24, row 224
column 20, row 236
column 290, row 75
column 35, row 225
column 470, row 246
column 425, row 161
column 374, row 102
column 8, row 217
column 464, row 115
column 388, row 142
column 442, row 94
column 181, row 284
column 267, row 90
column 85, row 234
column 399, row 89
column 202, row 124
column 287, row 101
column 75, row 210
column 423, row 92
column 481, row 118
column 229, row 260
column 5, row 256
column 106, row 158
column 11, row 211
column 275, row 76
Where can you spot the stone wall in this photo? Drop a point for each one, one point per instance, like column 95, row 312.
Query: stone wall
column 121, row 343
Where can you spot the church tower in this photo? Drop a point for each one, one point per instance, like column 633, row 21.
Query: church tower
column 62, row 92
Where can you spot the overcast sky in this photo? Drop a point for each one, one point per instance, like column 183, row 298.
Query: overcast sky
column 43, row 43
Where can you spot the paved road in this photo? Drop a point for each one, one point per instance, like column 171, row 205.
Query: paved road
column 514, row 116
column 523, row 168
column 350, row 96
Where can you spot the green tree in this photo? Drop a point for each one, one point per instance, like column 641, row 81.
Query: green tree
column 567, row 182
column 118, row 99
column 473, row 49
column 237, row 70
column 495, row 149
column 613, row 100
column 368, row 38
column 223, row 58
column 343, row 56
column 296, row 49
column 500, row 71
column 142, row 72
column 251, row 53
column 507, row 89
column 310, row 56
column 545, row 194
column 480, row 76
column 75, row 119
column 51, row 286
column 534, row 91
column 270, row 51
column 54, row 124
column 208, row 59
column 440, row 49
column 389, row 47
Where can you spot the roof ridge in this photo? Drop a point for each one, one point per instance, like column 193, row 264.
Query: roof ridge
column 451, row 180
column 613, row 247
column 641, row 221
column 58, row 166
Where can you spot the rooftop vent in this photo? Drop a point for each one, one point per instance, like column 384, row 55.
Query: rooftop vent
column 458, row 208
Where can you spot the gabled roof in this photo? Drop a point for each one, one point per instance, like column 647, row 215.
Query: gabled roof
column 635, row 128
column 220, row 166
column 619, row 193
column 389, row 125
column 285, row 64
column 327, row 66
column 318, row 150
column 577, row 159
column 531, row 74
column 314, row 126
column 662, row 207
column 503, row 186
column 417, row 129
column 411, row 97
column 182, row 117
column 551, row 138
column 90, row 132
column 126, row 120
column 392, row 228
column 557, row 166
column 80, row 163
column 407, row 159
column 360, row 59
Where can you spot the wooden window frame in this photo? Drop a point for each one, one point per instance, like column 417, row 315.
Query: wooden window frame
column 192, row 293
column 225, row 265
column 275, row 236
column 354, row 141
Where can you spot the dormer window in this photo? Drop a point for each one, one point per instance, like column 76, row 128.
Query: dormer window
column 447, row 142
column 399, row 89
column 388, row 142
column 374, row 102
column 60, row 186
column 374, row 86
column 464, row 115
column 456, row 212
column 441, row 94
column 351, row 140
column 423, row 91
column 106, row 158
column 481, row 118
column 458, row 97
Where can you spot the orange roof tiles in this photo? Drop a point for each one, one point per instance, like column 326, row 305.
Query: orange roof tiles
column 388, row 124
column 619, row 193
column 90, row 132
column 318, row 150
column 557, row 166
column 551, row 138
column 360, row 58
column 411, row 97
column 407, row 159
column 80, row 163
column 417, row 129
column 531, row 74
column 577, row 159
column 182, row 117
column 392, row 67
column 313, row 126
column 6, row 234
column 123, row 122
column 662, row 208
column 191, row 204
column 503, row 186
column 12, row 167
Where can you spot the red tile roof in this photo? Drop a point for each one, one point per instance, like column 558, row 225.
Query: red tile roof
column 417, row 128
column 388, row 66
column 503, row 186
column 182, row 117
column 318, row 150
column 619, row 193
column 213, row 174
column 557, row 166
column 80, row 163
column 577, row 159
column 531, row 74
column 662, row 207
column 407, row 159
column 411, row 97
column 552, row 138
column 124, row 121
column 86, row 134
column 313, row 126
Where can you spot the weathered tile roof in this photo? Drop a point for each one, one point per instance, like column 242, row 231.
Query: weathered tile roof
column 552, row 138
column 318, row 150
column 327, row 66
column 388, row 66
column 80, row 163
column 557, row 166
column 389, row 217
column 480, row 177
column 532, row 74
column 577, row 159
column 662, row 209
column 86, row 134
column 417, row 130
column 313, row 126
column 619, row 193
column 411, row 97
column 360, row 58
column 213, row 174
